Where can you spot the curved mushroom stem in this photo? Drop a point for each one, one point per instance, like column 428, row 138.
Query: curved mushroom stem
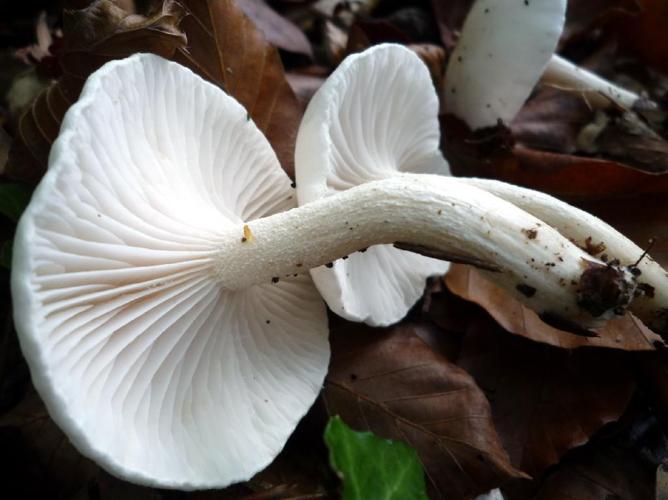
column 599, row 92
column 597, row 238
column 444, row 216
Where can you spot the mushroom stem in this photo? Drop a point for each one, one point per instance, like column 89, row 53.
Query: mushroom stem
column 446, row 216
column 599, row 92
column 597, row 238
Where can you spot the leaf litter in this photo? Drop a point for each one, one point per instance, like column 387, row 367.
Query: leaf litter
column 486, row 393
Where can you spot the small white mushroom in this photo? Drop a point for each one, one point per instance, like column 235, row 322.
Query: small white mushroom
column 376, row 118
column 505, row 48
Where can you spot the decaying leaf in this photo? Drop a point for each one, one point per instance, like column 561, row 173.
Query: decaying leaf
column 226, row 48
column 545, row 400
column 278, row 30
column 94, row 35
column 493, row 153
column 646, row 37
column 618, row 463
column 640, row 217
column 394, row 384
column 213, row 37
column 39, row 457
column 626, row 333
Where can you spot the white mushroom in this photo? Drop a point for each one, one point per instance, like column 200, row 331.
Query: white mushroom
column 504, row 49
column 373, row 117
column 149, row 365
column 156, row 275
column 376, row 118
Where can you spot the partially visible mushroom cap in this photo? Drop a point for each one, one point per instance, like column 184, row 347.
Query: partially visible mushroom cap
column 502, row 52
column 375, row 117
column 150, row 366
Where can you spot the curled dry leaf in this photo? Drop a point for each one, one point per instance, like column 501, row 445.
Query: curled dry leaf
column 562, row 121
column 226, row 48
column 223, row 46
column 562, row 175
column 627, row 333
column 545, row 401
column 394, row 384
column 551, row 120
column 92, row 36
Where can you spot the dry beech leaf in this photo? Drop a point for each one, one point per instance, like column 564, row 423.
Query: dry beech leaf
column 391, row 382
column 449, row 18
column 598, row 475
column 226, row 48
column 492, row 153
column 38, row 458
column 627, row 333
column 615, row 464
column 551, row 120
column 562, row 121
column 279, row 31
column 223, row 46
column 92, row 37
column 646, row 36
column 545, row 400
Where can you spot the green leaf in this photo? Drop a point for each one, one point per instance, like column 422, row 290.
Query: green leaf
column 372, row 467
column 14, row 198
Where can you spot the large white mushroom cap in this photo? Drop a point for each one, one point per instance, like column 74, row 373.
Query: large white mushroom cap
column 375, row 117
column 150, row 366
column 503, row 50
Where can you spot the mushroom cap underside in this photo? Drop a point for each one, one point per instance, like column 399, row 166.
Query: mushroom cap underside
column 150, row 367
column 375, row 117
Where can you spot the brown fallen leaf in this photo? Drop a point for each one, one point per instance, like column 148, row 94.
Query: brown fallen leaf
column 304, row 85
column 545, row 400
column 223, row 46
column 278, row 30
column 627, row 333
column 5, row 146
column 646, row 36
column 226, row 48
column 618, row 463
column 551, row 120
column 92, row 36
column 449, row 18
column 563, row 122
column 565, row 176
column 392, row 382
column 37, row 458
